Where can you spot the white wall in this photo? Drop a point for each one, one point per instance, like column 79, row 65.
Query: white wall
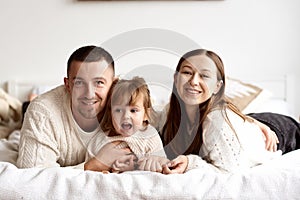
column 257, row 36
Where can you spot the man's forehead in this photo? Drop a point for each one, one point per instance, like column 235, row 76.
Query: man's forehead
column 91, row 69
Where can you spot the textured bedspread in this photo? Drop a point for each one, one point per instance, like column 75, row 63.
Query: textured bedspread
column 278, row 179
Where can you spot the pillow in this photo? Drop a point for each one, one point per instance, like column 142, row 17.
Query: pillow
column 247, row 97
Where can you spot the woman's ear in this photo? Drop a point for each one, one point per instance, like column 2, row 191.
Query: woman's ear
column 175, row 78
column 218, row 87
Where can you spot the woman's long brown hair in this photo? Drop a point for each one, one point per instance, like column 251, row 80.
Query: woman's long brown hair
column 174, row 133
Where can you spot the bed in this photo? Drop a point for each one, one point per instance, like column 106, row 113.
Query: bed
column 277, row 179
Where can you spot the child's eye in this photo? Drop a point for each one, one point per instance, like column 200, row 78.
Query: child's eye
column 134, row 110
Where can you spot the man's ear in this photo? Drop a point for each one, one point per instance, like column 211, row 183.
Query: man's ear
column 218, row 87
column 66, row 83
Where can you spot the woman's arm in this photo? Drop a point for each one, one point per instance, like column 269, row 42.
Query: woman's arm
column 182, row 163
column 271, row 138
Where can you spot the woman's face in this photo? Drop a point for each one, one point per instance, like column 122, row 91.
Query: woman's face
column 196, row 80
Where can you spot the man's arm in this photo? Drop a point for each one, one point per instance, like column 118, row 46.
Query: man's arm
column 38, row 146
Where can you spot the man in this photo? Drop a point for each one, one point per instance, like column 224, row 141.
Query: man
column 59, row 124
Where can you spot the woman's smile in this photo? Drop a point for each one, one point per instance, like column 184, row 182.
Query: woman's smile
column 192, row 91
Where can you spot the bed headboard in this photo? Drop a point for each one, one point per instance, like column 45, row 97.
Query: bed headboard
column 282, row 87
column 21, row 89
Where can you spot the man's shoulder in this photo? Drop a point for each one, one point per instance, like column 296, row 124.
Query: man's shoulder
column 56, row 97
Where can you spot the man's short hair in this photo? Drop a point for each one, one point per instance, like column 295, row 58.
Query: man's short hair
column 90, row 54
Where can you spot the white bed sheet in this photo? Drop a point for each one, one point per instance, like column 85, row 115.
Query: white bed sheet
column 277, row 179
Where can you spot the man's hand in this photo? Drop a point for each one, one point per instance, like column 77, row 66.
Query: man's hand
column 125, row 163
column 108, row 154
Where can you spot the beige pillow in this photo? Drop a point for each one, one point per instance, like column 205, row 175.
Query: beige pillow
column 245, row 96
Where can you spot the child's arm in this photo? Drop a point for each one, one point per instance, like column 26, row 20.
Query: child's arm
column 152, row 163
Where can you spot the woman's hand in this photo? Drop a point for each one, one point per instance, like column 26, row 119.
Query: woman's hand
column 271, row 138
column 152, row 163
column 176, row 166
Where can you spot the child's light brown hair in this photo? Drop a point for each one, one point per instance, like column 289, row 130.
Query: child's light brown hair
column 130, row 91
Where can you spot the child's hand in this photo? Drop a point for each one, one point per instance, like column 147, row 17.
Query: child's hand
column 125, row 163
column 152, row 163
column 176, row 166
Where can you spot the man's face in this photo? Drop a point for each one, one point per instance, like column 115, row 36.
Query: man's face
column 88, row 84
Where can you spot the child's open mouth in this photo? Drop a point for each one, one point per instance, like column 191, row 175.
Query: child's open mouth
column 126, row 126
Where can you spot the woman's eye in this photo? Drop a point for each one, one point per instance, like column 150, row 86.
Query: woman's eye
column 117, row 110
column 204, row 76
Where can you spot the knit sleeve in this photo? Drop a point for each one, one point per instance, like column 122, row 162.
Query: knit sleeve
column 221, row 146
column 146, row 143
column 196, row 162
column 38, row 146
column 157, row 147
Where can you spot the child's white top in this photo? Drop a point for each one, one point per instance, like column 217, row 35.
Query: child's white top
column 142, row 143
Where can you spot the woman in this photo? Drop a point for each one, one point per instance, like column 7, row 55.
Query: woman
column 198, row 91
column 201, row 121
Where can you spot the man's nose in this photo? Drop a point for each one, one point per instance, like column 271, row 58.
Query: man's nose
column 90, row 91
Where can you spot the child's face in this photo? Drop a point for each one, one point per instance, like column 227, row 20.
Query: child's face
column 196, row 80
column 127, row 119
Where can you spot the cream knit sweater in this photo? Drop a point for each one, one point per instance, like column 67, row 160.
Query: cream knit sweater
column 50, row 136
column 229, row 151
column 142, row 143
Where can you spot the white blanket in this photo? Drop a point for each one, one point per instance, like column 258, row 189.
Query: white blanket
column 278, row 179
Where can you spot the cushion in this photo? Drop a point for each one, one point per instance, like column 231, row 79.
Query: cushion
column 246, row 96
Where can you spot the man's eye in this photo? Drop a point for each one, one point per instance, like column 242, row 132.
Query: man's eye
column 99, row 83
column 78, row 83
column 187, row 72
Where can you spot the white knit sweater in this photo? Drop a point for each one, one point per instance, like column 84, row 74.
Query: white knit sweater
column 227, row 150
column 50, row 136
column 142, row 143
